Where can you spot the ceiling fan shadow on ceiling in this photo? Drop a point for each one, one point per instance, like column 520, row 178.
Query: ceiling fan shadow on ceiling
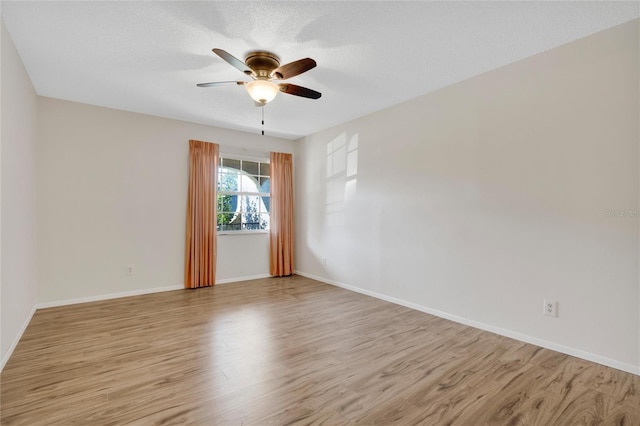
column 264, row 67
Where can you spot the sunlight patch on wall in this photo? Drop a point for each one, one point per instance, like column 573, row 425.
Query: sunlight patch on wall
column 342, row 170
column 352, row 168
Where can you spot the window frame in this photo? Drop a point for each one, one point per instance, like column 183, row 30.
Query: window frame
column 257, row 159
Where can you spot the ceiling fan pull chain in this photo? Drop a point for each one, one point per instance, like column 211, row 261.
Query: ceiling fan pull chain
column 263, row 119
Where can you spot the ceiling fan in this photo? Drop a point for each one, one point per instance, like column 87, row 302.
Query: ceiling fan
column 264, row 67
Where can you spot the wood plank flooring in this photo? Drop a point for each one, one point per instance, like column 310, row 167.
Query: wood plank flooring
column 284, row 351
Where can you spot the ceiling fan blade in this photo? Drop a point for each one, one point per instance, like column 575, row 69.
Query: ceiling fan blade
column 293, row 68
column 292, row 89
column 219, row 83
column 235, row 62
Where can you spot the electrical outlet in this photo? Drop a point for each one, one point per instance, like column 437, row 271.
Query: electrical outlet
column 550, row 308
column 130, row 270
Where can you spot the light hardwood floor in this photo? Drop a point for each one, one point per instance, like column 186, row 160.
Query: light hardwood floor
column 292, row 351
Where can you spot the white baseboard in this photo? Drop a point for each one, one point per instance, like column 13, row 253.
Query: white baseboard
column 107, row 296
column 629, row 368
column 136, row 292
column 238, row 279
column 6, row 356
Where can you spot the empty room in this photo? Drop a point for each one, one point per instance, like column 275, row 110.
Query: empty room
column 336, row 213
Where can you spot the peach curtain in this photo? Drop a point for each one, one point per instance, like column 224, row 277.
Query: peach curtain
column 200, row 253
column 281, row 234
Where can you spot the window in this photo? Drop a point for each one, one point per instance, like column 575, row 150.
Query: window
column 243, row 195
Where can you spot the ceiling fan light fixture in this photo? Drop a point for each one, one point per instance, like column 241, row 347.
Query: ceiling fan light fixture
column 262, row 91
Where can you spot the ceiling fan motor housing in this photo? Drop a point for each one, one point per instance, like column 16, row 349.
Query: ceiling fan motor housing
column 262, row 63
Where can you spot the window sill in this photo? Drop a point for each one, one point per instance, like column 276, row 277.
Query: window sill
column 242, row 232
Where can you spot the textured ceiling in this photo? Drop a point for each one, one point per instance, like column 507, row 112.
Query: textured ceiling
column 147, row 56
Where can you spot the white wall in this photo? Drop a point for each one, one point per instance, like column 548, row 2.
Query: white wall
column 113, row 191
column 3, row 352
column 18, row 205
column 479, row 200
